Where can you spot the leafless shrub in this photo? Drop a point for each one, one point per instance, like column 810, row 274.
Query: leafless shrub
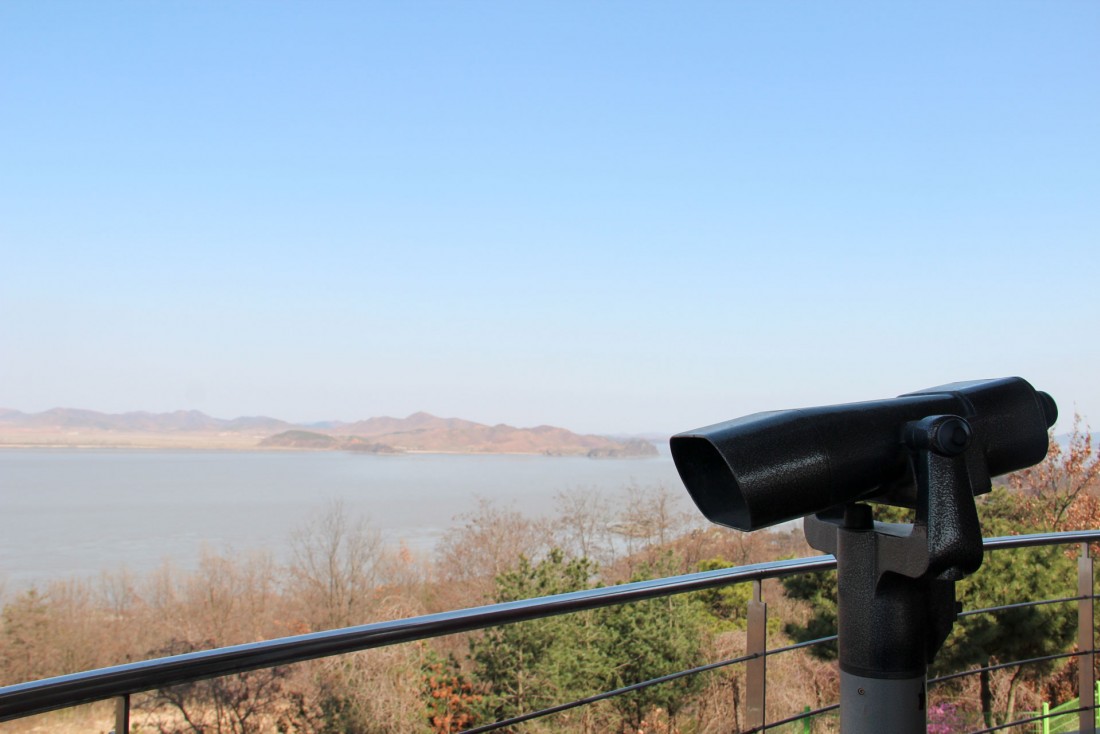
column 336, row 569
column 244, row 703
column 488, row 542
column 582, row 526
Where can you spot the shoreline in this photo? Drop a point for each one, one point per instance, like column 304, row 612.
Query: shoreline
column 580, row 454
column 252, row 442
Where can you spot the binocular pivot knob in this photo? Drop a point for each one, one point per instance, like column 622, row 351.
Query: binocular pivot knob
column 946, row 435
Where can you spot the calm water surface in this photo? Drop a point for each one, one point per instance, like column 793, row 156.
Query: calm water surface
column 78, row 512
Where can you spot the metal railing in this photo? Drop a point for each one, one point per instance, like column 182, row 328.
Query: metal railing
column 122, row 681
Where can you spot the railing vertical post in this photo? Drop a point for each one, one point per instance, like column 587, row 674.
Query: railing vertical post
column 1086, row 643
column 122, row 714
column 756, row 689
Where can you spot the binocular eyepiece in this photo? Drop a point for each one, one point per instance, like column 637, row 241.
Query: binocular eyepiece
column 768, row 468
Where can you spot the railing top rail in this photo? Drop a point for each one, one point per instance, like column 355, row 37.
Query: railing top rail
column 35, row 697
column 1036, row 539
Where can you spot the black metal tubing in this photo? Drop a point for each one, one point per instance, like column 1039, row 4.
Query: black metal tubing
column 35, row 697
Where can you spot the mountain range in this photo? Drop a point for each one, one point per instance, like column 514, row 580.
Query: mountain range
column 419, row 432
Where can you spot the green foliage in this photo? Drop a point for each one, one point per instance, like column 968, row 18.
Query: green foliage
column 652, row 638
column 530, row 665
column 1008, row 577
column 819, row 590
column 727, row 604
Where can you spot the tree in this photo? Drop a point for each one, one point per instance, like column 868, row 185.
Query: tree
column 651, row 638
column 728, row 603
column 819, row 591
column 1060, row 492
column 651, row 519
column 336, row 568
column 486, row 545
column 25, row 633
column 369, row 692
column 530, row 665
column 1008, row 577
column 243, row 703
column 451, row 698
column 582, row 526
column 338, row 575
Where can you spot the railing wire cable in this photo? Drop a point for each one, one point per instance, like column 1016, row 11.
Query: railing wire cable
column 605, row 695
column 792, row 719
column 1010, row 664
column 639, row 686
column 1031, row 720
column 1021, row 605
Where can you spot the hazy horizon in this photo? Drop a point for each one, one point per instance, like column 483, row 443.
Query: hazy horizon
column 622, row 218
column 326, row 423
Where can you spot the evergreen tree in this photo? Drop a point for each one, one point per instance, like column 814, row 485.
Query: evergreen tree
column 531, row 665
column 1008, row 577
column 727, row 604
column 652, row 638
column 819, row 590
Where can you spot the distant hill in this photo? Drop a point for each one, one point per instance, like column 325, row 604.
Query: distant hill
column 180, row 421
column 311, row 440
column 419, row 432
column 300, row 440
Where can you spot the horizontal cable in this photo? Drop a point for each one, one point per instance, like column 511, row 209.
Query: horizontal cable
column 607, row 694
column 1032, row 720
column 639, row 686
column 800, row 645
column 1012, row 664
column 1022, row 605
column 792, row 719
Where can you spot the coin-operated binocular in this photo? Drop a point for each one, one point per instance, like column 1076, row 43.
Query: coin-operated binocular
column 931, row 451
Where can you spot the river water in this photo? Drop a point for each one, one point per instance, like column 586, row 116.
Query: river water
column 78, row 512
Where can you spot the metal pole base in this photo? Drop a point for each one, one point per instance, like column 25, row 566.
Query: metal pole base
column 878, row 705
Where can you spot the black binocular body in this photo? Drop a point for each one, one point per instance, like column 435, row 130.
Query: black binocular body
column 767, row 468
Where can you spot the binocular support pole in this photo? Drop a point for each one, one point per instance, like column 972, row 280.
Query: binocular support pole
column 896, row 582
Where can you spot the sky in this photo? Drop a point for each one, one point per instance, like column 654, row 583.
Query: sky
column 616, row 217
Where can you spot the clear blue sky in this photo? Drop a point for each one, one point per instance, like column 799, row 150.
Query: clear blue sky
column 609, row 216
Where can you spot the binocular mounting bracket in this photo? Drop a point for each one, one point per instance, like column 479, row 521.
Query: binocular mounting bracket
column 896, row 581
